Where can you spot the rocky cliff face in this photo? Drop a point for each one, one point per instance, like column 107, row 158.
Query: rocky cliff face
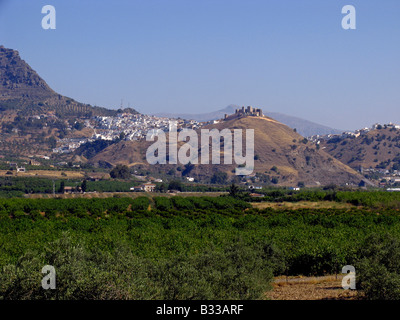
column 18, row 80
column 26, row 93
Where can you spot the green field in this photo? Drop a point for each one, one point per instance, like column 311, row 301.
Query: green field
column 192, row 247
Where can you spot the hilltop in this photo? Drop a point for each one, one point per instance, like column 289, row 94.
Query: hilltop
column 305, row 127
column 294, row 157
column 282, row 157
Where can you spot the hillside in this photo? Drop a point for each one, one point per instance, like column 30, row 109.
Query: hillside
column 282, row 157
column 304, row 127
column 24, row 92
column 296, row 159
column 18, row 80
column 378, row 148
column 32, row 115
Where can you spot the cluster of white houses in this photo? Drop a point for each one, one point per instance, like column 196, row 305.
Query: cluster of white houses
column 355, row 134
column 132, row 126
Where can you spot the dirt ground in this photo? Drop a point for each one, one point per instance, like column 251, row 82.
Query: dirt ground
column 51, row 174
column 310, row 288
column 302, row 205
column 121, row 194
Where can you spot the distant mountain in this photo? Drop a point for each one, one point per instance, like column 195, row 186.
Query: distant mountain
column 304, row 127
column 219, row 114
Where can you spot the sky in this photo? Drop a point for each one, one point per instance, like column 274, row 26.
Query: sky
column 195, row 56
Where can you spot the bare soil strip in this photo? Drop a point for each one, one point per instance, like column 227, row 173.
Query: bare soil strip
column 302, row 205
column 310, row 288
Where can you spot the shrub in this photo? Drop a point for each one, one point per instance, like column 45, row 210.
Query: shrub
column 378, row 268
column 80, row 274
column 140, row 204
column 237, row 272
column 183, row 203
column 120, row 172
column 162, row 203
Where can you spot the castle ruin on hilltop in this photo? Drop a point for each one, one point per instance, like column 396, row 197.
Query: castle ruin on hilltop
column 243, row 112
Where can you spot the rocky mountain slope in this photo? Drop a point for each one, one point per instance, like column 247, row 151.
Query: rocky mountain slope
column 24, row 92
column 18, row 80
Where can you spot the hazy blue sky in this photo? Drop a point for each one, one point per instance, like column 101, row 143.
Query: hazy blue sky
column 289, row 56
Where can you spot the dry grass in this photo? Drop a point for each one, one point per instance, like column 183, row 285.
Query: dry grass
column 310, row 288
column 350, row 151
column 302, row 205
column 45, row 174
column 90, row 195
column 85, row 132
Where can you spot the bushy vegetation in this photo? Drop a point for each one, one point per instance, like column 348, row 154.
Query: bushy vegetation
column 11, row 187
column 120, row 172
column 90, row 149
column 236, row 272
column 379, row 267
column 15, row 186
column 110, row 186
column 371, row 199
column 192, row 247
column 130, row 252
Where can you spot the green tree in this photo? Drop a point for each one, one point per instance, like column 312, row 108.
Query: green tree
column 175, row 185
column 84, row 186
column 52, row 142
column 62, row 187
column 162, row 187
column 120, row 172
column 78, row 126
column 219, row 177
column 378, row 276
column 188, row 168
column 234, row 190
